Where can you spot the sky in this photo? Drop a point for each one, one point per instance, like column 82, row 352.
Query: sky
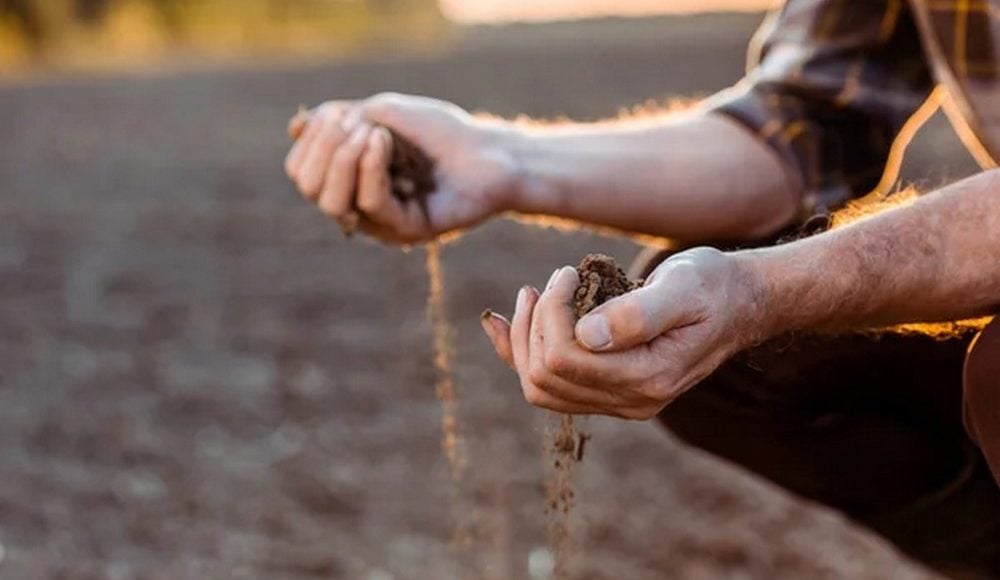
column 480, row 11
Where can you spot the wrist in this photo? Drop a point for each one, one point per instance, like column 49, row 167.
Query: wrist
column 772, row 299
column 523, row 189
column 497, row 167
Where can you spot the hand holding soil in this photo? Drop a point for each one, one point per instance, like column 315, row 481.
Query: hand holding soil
column 402, row 169
column 411, row 171
column 629, row 357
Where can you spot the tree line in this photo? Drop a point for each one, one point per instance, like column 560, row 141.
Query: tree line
column 38, row 25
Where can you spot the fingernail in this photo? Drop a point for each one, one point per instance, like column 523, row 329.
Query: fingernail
column 522, row 296
column 492, row 322
column 552, row 278
column 484, row 319
column 594, row 331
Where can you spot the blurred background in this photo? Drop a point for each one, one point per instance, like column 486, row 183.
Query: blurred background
column 200, row 379
column 112, row 33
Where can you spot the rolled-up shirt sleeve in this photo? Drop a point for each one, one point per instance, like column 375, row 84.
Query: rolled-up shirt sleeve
column 830, row 87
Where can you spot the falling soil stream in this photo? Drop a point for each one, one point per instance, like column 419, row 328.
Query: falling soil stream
column 446, row 390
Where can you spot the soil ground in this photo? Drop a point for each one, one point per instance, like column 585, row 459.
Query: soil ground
column 200, row 379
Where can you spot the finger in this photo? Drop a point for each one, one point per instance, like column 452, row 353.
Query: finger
column 293, row 163
column 541, row 399
column 520, row 328
column 317, row 159
column 297, row 124
column 375, row 197
column 498, row 330
column 337, row 197
column 562, row 281
column 558, row 300
column 611, row 401
column 637, row 317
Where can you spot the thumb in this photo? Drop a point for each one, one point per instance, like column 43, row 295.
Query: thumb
column 633, row 319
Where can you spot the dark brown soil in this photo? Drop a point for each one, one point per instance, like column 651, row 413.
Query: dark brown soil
column 412, row 171
column 600, row 280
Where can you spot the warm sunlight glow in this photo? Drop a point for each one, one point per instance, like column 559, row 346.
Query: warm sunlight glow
column 490, row 11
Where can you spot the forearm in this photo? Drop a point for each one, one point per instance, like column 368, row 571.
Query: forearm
column 935, row 260
column 691, row 176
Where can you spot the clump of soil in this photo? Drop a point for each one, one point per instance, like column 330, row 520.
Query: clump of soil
column 600, row 280
column 411, row 170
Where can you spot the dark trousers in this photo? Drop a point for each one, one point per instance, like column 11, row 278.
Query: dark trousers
column 870, row 425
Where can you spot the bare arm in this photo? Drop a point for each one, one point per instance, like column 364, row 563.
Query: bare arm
column 692, row 176
column 936, row 260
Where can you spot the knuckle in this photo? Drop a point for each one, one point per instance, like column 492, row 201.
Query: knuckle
column 347, row 155
column 685, row 272
column 533, row 395
column 557, row 361
column 538, row 376
column 329, row 206
column 369, row 204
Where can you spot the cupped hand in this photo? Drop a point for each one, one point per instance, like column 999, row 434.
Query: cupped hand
column 341, row 156
column 632, row 356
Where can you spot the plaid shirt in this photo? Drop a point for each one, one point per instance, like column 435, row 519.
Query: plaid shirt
column 833, row 82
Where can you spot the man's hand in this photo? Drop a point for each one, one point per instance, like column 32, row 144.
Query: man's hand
column 635, row 354
column 342, row 151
